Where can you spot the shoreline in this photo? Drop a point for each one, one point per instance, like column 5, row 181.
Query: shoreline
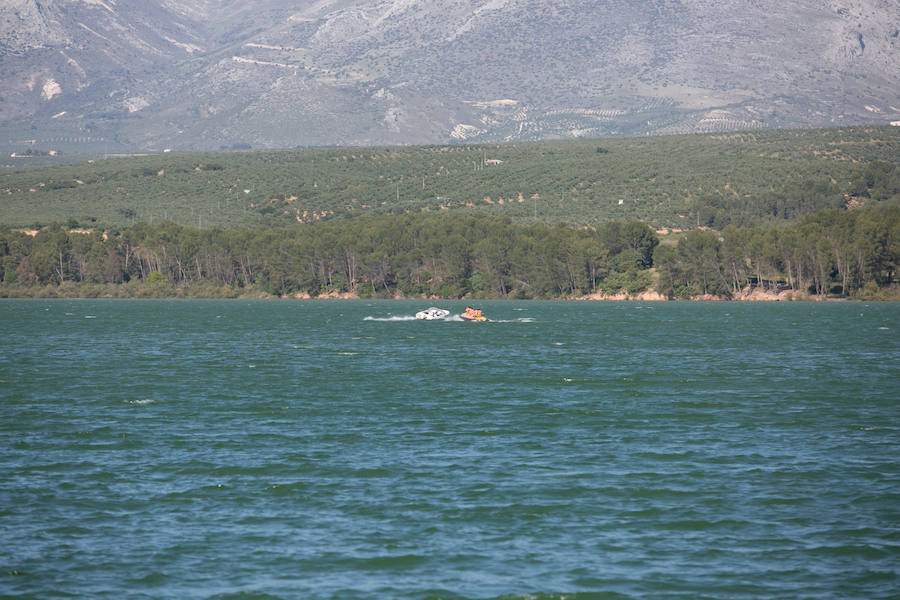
column 85, row 291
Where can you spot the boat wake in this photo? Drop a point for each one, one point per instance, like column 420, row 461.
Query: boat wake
column 519, row 320
column 455, row 318
column 390, row 319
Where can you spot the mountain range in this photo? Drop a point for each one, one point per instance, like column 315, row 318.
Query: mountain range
column 124, row 76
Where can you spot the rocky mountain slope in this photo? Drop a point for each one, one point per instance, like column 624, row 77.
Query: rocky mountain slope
column 111, row 75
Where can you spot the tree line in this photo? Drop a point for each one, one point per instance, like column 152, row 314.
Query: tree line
column 416, row 254
column 830, row 253
column 847, row 253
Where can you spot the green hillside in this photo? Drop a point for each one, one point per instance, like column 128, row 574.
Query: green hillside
column 743, row 179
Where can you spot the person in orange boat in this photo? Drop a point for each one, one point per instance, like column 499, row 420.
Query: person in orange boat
column 473, row 314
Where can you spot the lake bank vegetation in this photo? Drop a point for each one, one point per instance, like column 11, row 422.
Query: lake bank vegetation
column 833, row 253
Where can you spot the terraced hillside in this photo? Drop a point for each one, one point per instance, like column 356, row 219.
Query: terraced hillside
column 673, row 182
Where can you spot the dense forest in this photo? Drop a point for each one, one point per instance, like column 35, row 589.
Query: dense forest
column 840, row 253
column 831, row 253
column 759, row 178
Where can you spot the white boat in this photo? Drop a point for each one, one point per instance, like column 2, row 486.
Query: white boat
column 429, row 314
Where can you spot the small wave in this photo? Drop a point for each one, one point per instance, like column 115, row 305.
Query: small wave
column 244, row 595
column 90, row 316
column 73, row 530
column 402, row 561
column 143, row 401
column 152, row 578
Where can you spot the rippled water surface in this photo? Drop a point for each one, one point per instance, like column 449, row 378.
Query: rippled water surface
column 342, row 449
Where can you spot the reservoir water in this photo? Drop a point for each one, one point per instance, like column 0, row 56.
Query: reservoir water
column 342, row 449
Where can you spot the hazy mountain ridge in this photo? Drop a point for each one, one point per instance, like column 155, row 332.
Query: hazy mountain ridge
column 271, row 73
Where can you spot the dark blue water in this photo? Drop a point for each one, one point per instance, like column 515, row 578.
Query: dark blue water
column 341, row 449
